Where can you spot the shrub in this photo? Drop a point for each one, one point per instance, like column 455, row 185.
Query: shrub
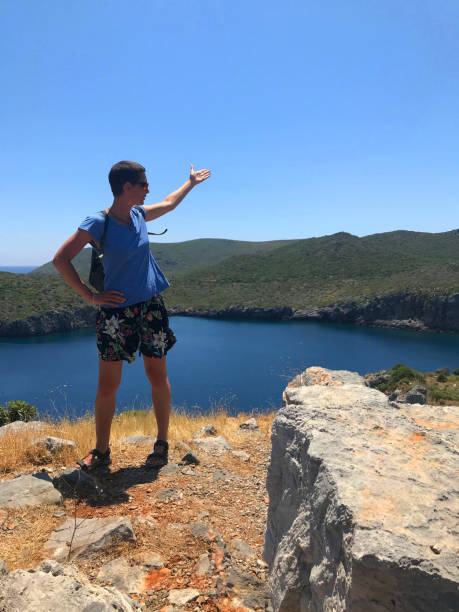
column 4, row 416
column 20, row 411
column 401, row 375
column 456, row 372
column 442, row 378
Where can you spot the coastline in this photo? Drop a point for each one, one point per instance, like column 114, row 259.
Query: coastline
column 396, row 311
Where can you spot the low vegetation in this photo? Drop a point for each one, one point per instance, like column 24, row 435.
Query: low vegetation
column 17, row 411
column 442, row 385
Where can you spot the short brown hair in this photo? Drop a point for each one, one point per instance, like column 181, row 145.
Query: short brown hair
column 124, row 172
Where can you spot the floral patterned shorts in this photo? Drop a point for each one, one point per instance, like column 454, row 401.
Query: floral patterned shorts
column 144, row 327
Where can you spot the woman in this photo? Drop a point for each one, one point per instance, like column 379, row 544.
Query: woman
column 131, row 312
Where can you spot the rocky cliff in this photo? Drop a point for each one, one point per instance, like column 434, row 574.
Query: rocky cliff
column 53, row 321
column 362, row 513
column 402, row 311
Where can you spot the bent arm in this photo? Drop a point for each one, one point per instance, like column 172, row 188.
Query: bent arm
column 63, row 262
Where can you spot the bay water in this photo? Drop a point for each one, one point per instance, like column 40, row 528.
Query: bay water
column 240, row 365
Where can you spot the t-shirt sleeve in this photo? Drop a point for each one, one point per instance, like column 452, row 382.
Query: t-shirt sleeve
column 141, row 210
column 94, row 225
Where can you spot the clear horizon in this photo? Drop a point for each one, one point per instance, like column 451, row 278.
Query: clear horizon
column 314, row 119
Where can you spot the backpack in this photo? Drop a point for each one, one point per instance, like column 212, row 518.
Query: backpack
column 96, row 272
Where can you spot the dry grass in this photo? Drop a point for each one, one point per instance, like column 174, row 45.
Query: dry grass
column 18, row 452
column 24, row 532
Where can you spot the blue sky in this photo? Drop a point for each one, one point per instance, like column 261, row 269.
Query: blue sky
column 314, row 117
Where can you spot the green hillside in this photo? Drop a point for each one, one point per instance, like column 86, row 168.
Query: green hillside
column 330, row 269
column 299, row 274
column 176, row 256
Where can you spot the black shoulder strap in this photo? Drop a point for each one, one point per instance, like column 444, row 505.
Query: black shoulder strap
column 102, row 241
column 142, row 212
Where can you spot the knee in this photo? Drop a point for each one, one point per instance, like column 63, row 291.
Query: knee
column 157, row 379
column 106, row 389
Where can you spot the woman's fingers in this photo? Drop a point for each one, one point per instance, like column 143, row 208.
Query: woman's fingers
column 109, row 298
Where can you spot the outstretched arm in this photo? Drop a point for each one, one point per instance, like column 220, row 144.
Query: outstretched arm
column 153, row 211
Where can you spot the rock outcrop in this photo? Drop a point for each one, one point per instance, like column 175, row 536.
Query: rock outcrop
column 54, row 585
column 50, row 322
column 361, row 514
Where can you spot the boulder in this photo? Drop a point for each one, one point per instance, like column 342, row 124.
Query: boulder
column 361, row 499
column 85, row 537
column 28, row 490
column 53, row 585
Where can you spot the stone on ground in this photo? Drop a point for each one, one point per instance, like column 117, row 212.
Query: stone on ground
column 47, row 588
column 28, row 491
column 139, row 440
column 242, row 550
column 216, row 446
column 54, row 445
column 241, row 455
column 250, row 424
column 20, row 427
column 88, row 537
column 204, row 566
column 180, row 597
column 207, row 430
column 121, row 575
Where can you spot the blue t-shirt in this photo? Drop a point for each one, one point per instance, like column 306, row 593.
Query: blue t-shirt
column 129, row 266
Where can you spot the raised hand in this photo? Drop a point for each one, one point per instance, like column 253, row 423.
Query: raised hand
column 197, row 176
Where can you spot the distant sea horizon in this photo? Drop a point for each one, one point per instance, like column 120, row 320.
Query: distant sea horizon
column 17, row 269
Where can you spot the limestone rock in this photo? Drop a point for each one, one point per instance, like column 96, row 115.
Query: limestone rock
column 204, row 566
column 241, row 455
column 250, row 424
column 215, row 446
column 139, row 440
column 242, row 550
column 359, row 492
column 182, row 447
column 42, row 590
column 180, row 597
column 150, row 560
column 3, row 568
column 121, row 575
column 28, row 491
column 21, row 427
column 54, row 445
column 87, row 536
column 169, row 494
column 207, row 430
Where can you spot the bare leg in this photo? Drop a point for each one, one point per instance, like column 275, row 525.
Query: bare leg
column 109, row 381
column 156, row 371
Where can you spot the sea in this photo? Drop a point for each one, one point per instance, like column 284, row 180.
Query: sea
column 239, row 366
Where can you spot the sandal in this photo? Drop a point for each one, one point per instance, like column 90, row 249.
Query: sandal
column 158, row 458
column 95, row 459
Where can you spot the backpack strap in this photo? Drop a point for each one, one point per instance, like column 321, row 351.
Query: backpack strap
column 102, row 240
column 142, row 212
